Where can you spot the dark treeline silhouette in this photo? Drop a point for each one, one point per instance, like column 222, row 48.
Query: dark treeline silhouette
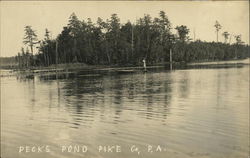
column 112, row 43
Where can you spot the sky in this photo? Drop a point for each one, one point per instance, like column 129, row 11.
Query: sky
column 198, row 16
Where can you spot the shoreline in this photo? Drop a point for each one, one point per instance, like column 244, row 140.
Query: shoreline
column 74, row 67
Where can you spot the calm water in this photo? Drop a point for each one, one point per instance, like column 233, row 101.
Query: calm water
column 189, row 113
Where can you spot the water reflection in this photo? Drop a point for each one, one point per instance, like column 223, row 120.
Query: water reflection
column 181, row 108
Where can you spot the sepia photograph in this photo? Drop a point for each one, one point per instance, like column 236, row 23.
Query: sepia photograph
column 124, row 79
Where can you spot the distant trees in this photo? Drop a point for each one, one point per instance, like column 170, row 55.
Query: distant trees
column 208, row 51
column 217, row 28
column 112, row 43
column 24, row 58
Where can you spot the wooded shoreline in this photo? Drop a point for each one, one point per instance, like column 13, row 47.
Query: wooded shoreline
column 112, row 43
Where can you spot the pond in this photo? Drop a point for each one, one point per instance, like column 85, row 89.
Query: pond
column 191, row 112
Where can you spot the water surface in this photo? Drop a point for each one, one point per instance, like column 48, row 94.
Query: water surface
column 190, row 113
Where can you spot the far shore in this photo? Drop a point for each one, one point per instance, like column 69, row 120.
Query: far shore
column 235, row 61
column 72, row 67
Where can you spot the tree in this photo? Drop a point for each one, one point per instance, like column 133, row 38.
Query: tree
column 166, row 39
column 217, row 28
column 65, row 45
column 164, row 25
column 238, row 39
column 182, row 32
column 112, row 37
column 126, row 43
column 47, row 34
column 30, row 37
column 145, row 36
column 225, row 35
column 74, row 26
column 46, row 41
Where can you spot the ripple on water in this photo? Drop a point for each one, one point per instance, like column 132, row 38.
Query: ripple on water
column 194, row 113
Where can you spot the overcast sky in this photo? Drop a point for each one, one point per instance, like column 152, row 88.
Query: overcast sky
column 196, row 15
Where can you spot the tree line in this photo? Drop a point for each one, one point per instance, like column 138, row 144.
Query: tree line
column 112, row 43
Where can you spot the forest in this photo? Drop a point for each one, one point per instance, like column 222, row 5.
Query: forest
column 112, row 43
